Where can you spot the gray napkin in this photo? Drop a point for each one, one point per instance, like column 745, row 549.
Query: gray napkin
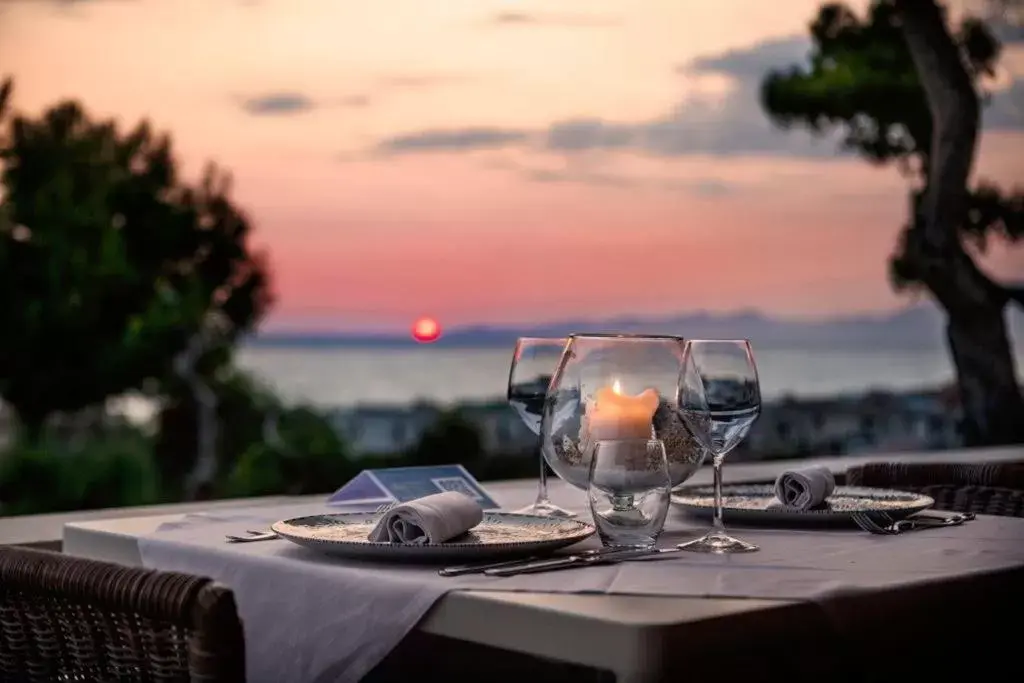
column 805, row 488
column 429, row 520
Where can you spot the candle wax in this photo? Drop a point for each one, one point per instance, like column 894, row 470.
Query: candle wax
column 613, row 415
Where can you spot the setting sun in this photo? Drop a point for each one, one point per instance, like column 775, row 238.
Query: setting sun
column 426, row 330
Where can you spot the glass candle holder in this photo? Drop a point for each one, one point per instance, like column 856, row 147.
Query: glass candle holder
column 629, row 491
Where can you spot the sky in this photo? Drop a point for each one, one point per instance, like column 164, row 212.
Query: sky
column 502, row 161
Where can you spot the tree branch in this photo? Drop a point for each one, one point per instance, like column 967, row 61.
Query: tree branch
column 955, row 108
column 5, row 95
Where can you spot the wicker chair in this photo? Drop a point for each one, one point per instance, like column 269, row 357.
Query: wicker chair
column 983, row 488
column 67, row 618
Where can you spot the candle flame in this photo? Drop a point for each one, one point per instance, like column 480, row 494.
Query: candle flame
column 617, row 388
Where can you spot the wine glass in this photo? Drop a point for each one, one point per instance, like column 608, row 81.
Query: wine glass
column 727, row 371
column 610, row 387
column 629, row 491
column 533, row 363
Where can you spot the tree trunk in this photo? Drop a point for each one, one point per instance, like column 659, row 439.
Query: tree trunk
column 202, row 476
column 976, row 329
column 991, row 397
column 200, row 479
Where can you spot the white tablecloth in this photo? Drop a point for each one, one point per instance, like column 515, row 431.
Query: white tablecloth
column 312, row 618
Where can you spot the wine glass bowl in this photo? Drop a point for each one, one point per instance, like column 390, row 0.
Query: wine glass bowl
column 734, row 403
column 533, row 363
column 610, row 387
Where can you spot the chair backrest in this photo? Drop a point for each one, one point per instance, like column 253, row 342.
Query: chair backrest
column 992, row 488
column 69, row 618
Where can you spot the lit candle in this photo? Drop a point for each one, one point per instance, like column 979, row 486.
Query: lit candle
column 613, row 415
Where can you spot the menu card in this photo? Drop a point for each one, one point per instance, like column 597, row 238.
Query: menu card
column 401, row 484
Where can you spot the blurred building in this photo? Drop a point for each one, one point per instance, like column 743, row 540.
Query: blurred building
column 786, row 429
column 873, row 422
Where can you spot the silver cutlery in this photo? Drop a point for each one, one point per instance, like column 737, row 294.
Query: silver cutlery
column 579, row 560
column 944, row 516
column 477, row 568
column 252, row 537
column 269, row 535
column 881, row 523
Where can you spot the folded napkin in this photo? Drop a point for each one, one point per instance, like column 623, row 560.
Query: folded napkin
column 805, row 488
column 428, row 520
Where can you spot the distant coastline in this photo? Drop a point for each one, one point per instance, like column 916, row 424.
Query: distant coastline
column 915, row 328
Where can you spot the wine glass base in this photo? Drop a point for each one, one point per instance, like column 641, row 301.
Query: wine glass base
column 718, row 543
column 545, row 508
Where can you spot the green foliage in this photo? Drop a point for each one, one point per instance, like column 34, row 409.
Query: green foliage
column 991, row 214
column 47, row 476
column 266, row 450
column 862, row 82
column 109, row 263
column 451, row 439
column 258, row 472
column 304, row 456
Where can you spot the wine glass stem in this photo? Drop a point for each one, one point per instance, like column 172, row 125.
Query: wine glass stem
column 542, row 482
column 716, row 465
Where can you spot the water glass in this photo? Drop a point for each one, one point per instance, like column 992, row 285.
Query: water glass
column 629, row 490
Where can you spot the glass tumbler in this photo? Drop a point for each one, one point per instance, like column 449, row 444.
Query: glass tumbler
column 629, row 491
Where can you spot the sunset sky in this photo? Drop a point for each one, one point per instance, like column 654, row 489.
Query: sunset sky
column 506, row 161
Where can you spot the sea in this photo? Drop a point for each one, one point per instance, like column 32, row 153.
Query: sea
column 346, row 376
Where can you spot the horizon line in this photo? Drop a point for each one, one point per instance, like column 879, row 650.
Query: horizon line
column 312, row 328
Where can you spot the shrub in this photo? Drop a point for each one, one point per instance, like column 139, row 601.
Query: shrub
column 113, row 470
column 451, row 439
column 306, row 456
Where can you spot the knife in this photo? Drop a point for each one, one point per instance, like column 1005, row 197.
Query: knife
column 478, row 568
column 578, row 561
column 915, row 523
column 946, row 518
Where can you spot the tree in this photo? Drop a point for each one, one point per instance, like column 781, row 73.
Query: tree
column 903, row 88
column 109, row 264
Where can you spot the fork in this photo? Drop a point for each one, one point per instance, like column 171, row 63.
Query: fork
column 882, row 523
column 269, row 535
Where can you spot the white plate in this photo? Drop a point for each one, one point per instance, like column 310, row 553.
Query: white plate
column 757, row 504
column 499, row 535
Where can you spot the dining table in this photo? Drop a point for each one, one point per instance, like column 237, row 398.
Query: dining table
column 835, row 599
